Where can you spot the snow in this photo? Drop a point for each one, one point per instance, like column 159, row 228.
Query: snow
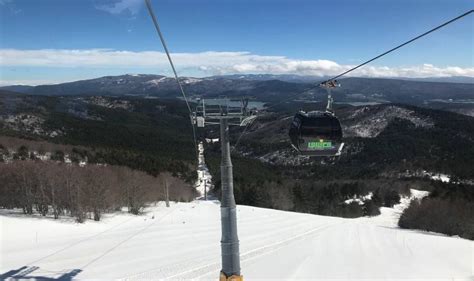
column 67, row 159
column 441, row 177
column 368, row 124
column 28, row 123
column 190, row 80
column 212, row 140
column 157, row 81
column 360, row 200
column 389, row 216
column 187, row 80
column 436, row 176
column 204, row 181
column 432, row 175
column 182, row 242
column 108, row 103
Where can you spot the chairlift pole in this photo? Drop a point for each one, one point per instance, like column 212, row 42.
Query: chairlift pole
column 229, row 240
column 226, row 115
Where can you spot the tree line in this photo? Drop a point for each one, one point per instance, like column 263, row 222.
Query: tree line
column 58, row 189
column 152, row 136
column 449, row 209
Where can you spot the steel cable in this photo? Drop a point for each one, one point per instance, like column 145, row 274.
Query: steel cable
column 163, row 42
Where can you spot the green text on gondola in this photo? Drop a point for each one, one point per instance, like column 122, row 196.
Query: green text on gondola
column 319, row 144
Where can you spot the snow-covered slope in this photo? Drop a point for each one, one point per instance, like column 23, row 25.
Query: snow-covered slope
column 182, row 242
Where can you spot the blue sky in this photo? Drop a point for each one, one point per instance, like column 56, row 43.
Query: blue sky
column 51, row 41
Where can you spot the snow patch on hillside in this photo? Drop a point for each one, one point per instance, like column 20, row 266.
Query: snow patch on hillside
column 360, row 200
column 28, row 123
column 156, row 82
column 441, row 177
column 110, row 103
column 365, row 123
column 190, row 80
column 426, row 174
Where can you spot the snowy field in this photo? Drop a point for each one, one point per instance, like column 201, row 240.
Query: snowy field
column 182, row 242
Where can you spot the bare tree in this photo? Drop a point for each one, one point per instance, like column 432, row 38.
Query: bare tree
column 56, row 188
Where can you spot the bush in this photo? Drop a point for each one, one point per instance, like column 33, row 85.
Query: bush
column 391, row 198
column 58, row 155
column 448, row 216
column 371, row 209
column 384, row 197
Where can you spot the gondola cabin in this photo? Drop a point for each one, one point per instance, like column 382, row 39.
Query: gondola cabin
column 316, row 133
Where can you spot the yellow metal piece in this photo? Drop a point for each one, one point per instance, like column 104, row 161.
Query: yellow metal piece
column 223, row 277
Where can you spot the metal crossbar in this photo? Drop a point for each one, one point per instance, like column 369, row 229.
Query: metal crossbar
column 211, row 111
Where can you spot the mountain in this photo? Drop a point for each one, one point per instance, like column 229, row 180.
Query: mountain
column 452, row 79
column 403, row 91
column 317, row 79
column 158, row 85
column 17, row 88
column 282, row 77
column 268, row 88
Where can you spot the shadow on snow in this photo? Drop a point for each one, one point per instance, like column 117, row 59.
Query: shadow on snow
column 27, row 272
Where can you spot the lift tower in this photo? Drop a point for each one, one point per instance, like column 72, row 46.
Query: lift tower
column 222, row 112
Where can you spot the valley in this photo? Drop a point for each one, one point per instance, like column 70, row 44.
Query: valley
column 390, row 148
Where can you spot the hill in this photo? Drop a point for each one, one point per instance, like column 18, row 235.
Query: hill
column 387, row 136
column 145, row 134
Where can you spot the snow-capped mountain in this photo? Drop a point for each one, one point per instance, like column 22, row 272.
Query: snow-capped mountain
column 267, row 87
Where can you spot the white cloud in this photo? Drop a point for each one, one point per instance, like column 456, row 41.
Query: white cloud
column 31, row 82
column 10, row 6
column 212, row 62
column 118, row 7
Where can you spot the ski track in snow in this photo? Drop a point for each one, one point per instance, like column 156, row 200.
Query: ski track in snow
column 182, row 243
column 178, row 274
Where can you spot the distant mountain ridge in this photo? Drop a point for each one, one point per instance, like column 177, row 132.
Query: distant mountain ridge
column 259, row 77
column 264, row 87
column 315, row 79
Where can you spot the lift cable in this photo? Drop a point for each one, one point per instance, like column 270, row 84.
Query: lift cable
column 162, row 39
column 366, row 62
column 377, row 57
column 401, row 45
column 240, row 136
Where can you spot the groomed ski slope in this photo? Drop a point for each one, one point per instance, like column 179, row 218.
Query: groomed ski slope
column 182, row 242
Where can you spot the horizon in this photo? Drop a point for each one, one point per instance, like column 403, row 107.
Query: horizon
column 441, row 79
column 53, row 42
